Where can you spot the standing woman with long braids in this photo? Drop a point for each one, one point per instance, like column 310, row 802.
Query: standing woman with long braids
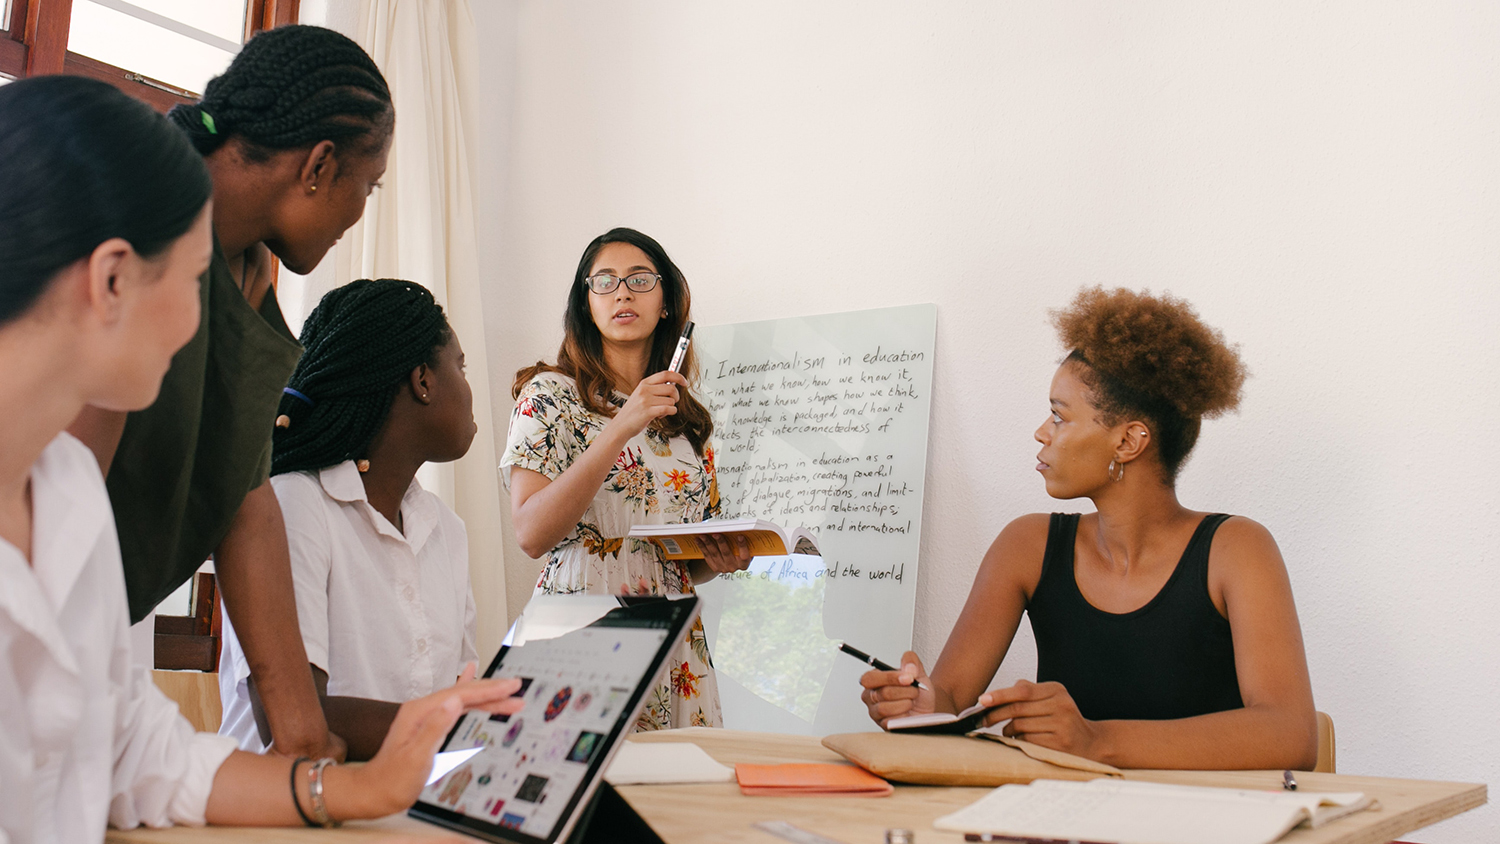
column 609, row 437
column 295, row 135
column 104, row 232
column 381, row 566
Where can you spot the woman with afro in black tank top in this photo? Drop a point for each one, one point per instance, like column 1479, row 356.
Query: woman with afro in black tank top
column 1166, row 637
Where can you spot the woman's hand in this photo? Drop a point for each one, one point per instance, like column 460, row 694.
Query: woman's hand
column 655, row 397
column 722, row 555
column 640, row 587
column 892, row 694
column 1043, row 714
column 394, row 778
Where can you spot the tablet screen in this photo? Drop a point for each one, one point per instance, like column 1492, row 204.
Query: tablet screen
column 582, row 690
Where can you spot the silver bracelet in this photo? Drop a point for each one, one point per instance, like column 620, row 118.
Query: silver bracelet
column 315, row 792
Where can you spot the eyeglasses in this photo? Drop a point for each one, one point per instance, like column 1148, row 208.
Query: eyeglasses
column 637, row 282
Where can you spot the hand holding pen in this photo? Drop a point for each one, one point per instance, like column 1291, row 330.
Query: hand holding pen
column 890, row 692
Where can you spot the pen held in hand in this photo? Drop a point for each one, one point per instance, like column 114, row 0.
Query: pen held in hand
column 682, row 346
column 875, row 663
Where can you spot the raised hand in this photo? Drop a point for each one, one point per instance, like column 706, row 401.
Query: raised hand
column 654, row 397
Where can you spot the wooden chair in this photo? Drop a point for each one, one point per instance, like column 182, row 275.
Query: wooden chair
column 1326, row 753
column 187, row 656
column 196, row 694
column 191, row 642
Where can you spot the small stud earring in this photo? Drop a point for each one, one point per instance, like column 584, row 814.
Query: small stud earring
column 362, row 465
column 314, row 189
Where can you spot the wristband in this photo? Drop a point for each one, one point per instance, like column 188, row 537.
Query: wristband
column 295, row 802
column 315, row 791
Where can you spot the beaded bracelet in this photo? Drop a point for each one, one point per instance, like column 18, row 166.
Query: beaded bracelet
column 315, row 790
column 295, row 802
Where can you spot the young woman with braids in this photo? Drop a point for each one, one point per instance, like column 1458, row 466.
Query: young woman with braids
column 1166, row 637
column 104, row 231
column 295, row 135
column 381, row 566
column 607, row 438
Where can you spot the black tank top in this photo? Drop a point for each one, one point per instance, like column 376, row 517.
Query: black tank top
column 1172, row 658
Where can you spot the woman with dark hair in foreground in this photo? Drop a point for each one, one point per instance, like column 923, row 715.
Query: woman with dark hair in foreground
column 105, row 228
column 1166, row 637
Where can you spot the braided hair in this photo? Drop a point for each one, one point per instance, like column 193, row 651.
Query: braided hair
column 291, row 87
column 362, row 341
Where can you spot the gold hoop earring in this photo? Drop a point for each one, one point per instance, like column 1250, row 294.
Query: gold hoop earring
column 1116, row 471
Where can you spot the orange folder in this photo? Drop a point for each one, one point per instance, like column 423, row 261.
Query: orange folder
column 808, row 778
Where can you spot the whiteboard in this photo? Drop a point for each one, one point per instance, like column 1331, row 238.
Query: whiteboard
column 818, row 421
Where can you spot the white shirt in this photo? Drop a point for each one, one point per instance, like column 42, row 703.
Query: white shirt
column 388, row 616
column 85, row 737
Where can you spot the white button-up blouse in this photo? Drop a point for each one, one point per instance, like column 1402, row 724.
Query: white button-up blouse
column 388, row 614
column 85, row 738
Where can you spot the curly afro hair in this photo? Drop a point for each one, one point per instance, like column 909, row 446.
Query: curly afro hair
column 1152, row 358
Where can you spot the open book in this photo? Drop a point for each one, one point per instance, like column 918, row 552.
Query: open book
column 940, row 722
column 1130, row 812
column 766, row 539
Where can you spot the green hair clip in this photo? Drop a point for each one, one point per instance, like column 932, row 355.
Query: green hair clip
column 208, row 122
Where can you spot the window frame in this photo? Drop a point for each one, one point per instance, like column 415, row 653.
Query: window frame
column 34, row 42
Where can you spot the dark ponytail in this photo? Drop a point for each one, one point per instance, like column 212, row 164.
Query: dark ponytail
column 362, row 341
column 80, row 163
column 291, row 87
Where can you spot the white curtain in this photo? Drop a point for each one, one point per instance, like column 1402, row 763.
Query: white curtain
column 420, row 226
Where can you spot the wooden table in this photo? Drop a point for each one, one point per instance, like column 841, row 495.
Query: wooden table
column 717, row 812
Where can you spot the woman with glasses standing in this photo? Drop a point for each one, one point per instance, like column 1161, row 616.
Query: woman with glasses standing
column 609, row 437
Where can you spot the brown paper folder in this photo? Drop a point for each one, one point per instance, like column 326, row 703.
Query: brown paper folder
column 960, row 760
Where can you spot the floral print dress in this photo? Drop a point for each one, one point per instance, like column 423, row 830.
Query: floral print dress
column 655, row 480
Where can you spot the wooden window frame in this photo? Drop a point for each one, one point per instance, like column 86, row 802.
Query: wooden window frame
column 34, row 42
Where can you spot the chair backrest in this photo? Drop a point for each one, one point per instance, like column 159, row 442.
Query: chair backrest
column 196, row 694
column 185, row 642
column 1326, row 755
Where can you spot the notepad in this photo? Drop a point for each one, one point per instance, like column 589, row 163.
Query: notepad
column 1129, row 812
column 661, row 763
column 810, row 778
column 940, row 722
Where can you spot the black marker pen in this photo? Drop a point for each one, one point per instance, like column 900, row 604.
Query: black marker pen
column 875, row 663
column 682, row 345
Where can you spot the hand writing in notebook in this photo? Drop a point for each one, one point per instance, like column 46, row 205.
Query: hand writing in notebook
column 892, row 694
column 1044, row 714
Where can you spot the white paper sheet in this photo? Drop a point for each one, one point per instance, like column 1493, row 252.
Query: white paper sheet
column 657, row 763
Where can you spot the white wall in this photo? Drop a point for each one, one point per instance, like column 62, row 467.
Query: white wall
column 1323, row 183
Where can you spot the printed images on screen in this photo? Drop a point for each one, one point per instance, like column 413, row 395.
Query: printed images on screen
column 584, row 749
column 612, row 703
column 558, row 704
column 457, row 782
column 513, row 733
column 531, row 788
